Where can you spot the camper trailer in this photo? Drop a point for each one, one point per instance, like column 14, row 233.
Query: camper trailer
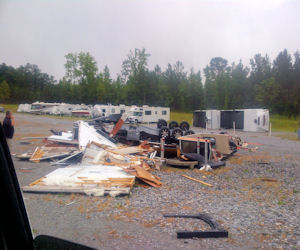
column 101, row 110
column 40, row 107
column 147, row 114
column 252, row 120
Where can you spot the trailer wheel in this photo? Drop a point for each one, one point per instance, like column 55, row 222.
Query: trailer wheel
column 189, row 132
column 185, row 126
column 161, row 123
column 164, row 132
column 173, row 124
column 176, row 133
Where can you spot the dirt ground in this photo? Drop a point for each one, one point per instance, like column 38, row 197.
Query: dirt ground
column 255, row 197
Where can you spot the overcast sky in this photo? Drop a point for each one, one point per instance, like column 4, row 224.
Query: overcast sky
column 43, row 32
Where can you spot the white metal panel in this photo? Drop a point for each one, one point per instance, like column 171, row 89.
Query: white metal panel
column 256, row 120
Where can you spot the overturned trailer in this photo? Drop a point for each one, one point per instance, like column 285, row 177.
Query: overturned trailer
column 251, row 120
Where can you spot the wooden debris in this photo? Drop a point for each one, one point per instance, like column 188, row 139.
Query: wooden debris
column 145, row 176
column 193, row 179
column 91, row 180
column 37, row 155
column 269, row 180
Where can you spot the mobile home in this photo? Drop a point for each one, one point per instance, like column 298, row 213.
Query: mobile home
column 146, row 114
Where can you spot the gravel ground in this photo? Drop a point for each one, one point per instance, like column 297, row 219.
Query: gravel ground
column 257, row 212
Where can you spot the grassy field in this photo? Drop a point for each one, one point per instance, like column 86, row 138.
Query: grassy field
column 284, row 124
column 11, row 107
column 181, row 116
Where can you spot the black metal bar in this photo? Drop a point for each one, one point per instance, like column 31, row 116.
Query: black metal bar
column 201, row 234
column 216, row 232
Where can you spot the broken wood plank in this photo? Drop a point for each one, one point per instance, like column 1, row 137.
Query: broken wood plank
column 36, row 182
column 193, row 179
column 269, row 180
column 37, row 155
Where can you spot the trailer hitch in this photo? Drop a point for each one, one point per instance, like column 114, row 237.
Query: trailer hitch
column 216, row 230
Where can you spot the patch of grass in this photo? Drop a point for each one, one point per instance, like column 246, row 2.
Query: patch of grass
column 281, row 203
column 11, row 107
column 284, row 124
column 181, row 116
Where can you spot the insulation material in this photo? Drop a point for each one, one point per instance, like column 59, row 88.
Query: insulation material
column 65, row 136
column 91, row 180
column 87, row 134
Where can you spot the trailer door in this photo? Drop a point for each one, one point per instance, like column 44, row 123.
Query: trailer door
column 199, row 119
column 228, row 117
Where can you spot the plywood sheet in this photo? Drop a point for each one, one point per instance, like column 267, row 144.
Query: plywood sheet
column 92, row 180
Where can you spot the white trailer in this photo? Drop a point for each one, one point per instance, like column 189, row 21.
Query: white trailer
column 100, row 110
column 252, row 120
column 147, row 114
column 207, row 118
column 256, row 120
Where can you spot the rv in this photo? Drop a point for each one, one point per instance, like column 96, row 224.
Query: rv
column 107, row 110
column 40, row 107
column 252, row 120
column 146, row 114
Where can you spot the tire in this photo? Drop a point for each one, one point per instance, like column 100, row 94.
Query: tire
column 189, row 132
column 161, row 123
column 173, row 124
column 164, row 132
column 176, row 133
column 185, row 126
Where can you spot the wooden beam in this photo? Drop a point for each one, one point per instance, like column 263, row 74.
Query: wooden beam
column 193, row 179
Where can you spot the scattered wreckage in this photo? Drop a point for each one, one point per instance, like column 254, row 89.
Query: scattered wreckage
column 94, row 162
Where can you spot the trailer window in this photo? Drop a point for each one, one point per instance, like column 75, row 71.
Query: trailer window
column 148, row 112
column 164, row 112
column 137, row 113
column 156, row 112
column 112, row 111
column 35, row 107
column 264, row 120
column 103, row 110
column 122, row 111
column 258, row 120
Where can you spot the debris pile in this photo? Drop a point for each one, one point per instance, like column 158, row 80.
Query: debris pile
column 101, row 166
column 93, row 163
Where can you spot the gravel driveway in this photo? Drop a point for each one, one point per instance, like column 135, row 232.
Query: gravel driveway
column 255, row 197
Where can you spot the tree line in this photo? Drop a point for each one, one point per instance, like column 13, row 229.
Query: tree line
column 263, row 84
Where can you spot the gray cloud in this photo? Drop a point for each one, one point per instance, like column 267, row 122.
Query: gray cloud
column 42, row 32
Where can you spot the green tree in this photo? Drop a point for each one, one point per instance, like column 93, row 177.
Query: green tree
column 81, row 68
column 217, row 77
column 134, row 73
column 4, row 91
column 283, row 74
